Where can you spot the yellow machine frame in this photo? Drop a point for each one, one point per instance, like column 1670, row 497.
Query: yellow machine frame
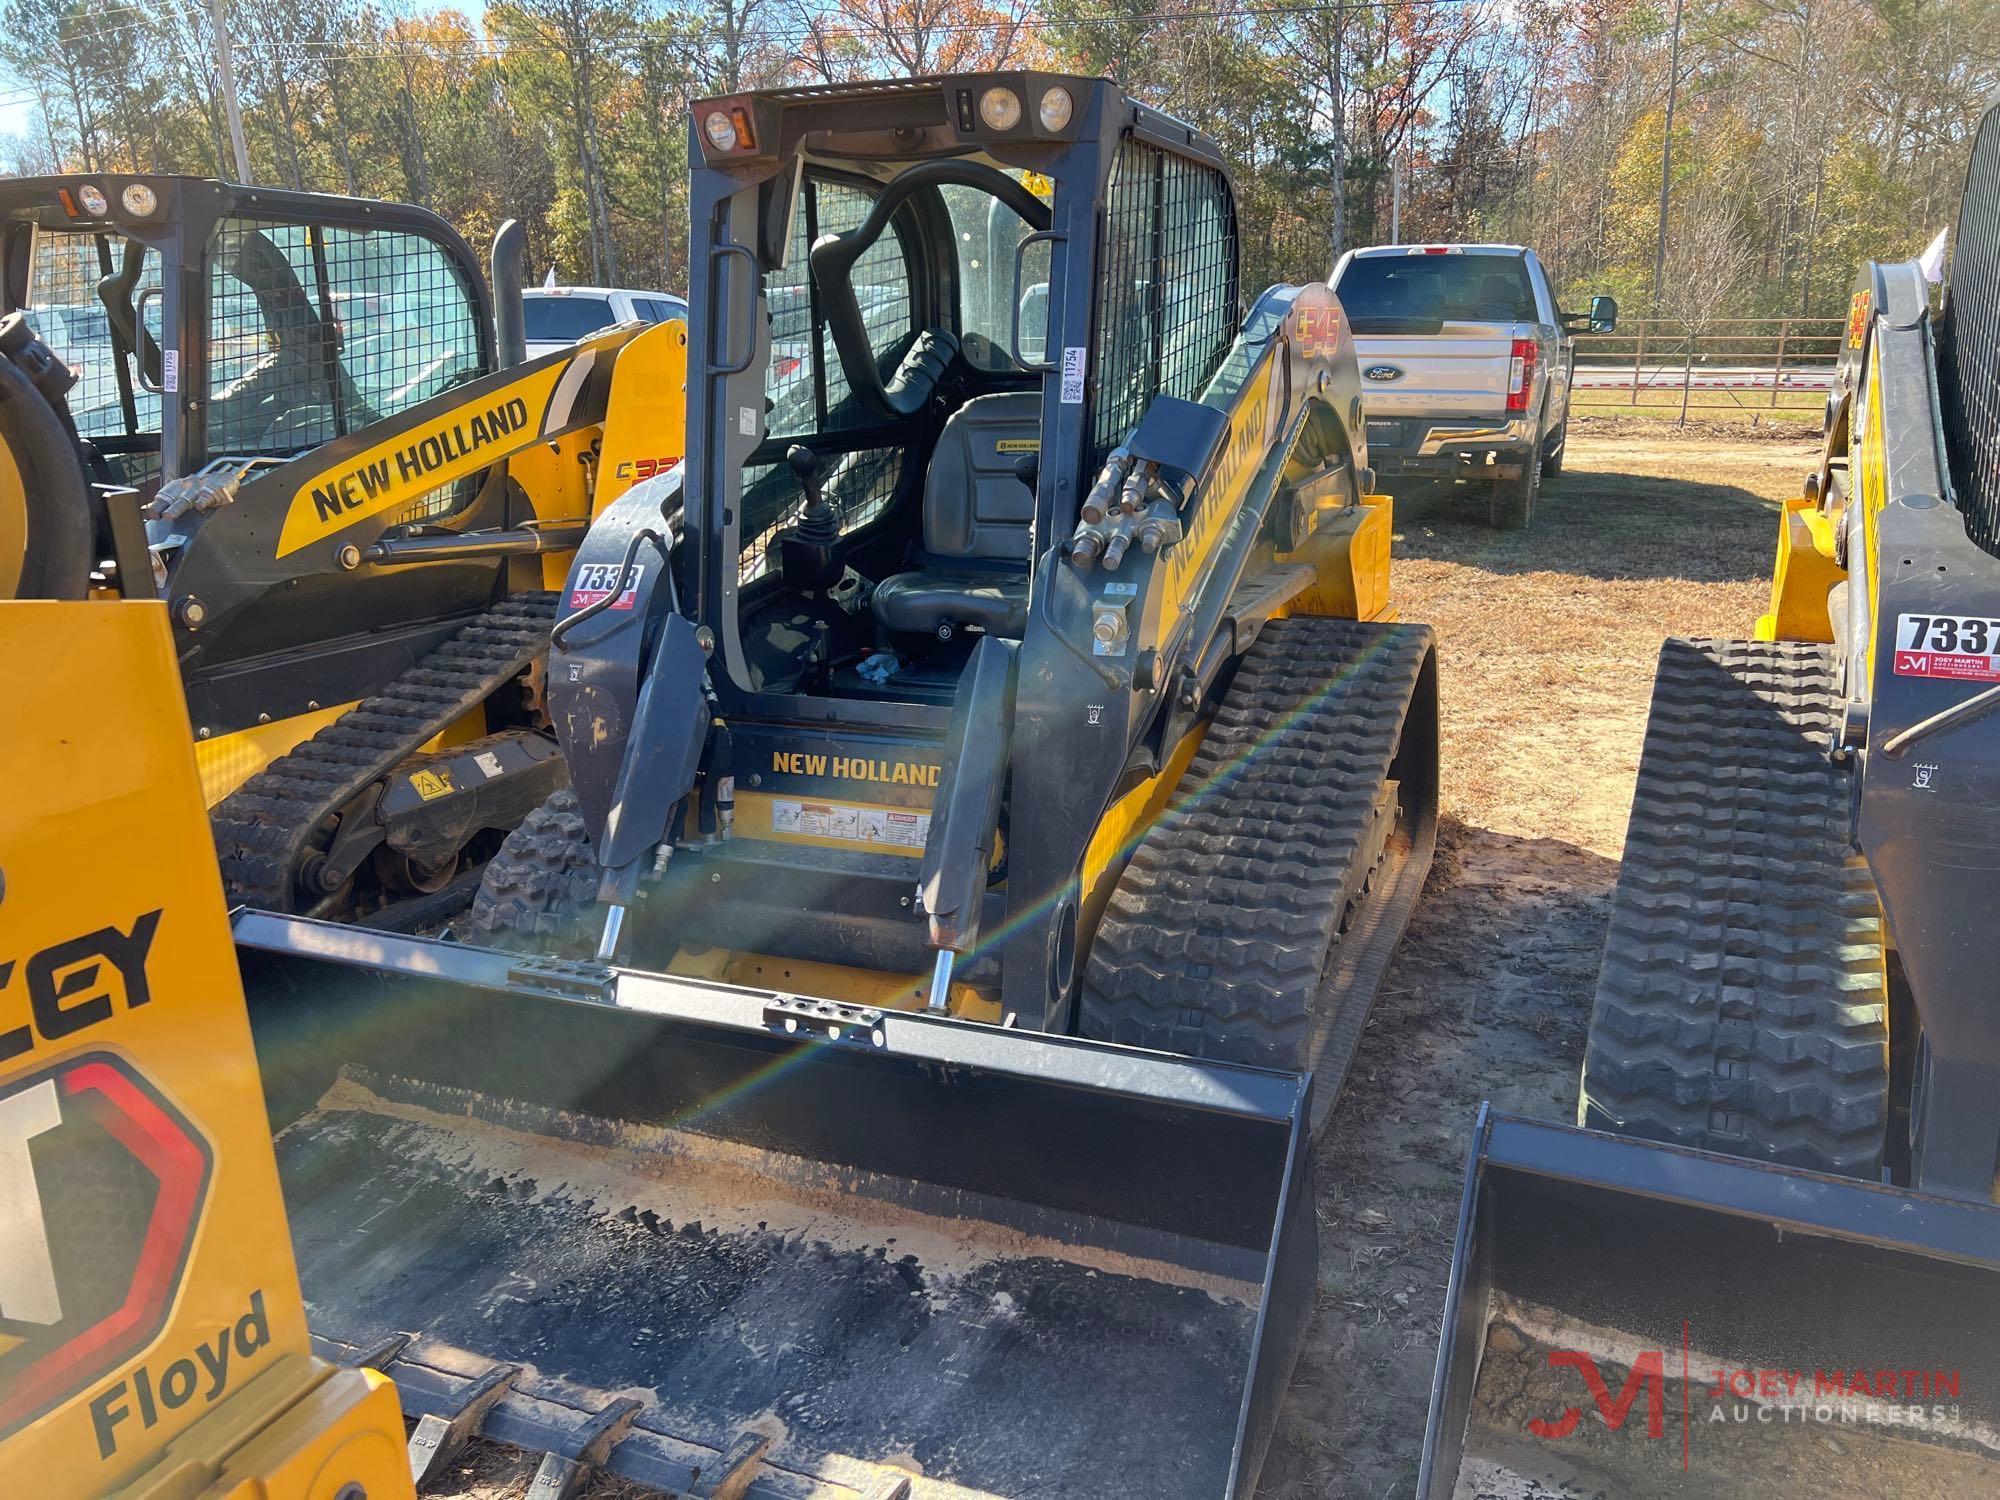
column 120, row 972
column 570, row 477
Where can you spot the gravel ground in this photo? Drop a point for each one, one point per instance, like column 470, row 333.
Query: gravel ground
column 1546, row 640
column 1546, row 643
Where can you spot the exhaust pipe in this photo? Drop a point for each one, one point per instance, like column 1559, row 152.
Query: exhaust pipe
column 510, row 317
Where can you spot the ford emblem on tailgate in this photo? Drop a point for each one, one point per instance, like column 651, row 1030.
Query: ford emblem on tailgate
column 1383, row 372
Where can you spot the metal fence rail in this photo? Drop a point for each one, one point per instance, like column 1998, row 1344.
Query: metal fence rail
column 1738, row 362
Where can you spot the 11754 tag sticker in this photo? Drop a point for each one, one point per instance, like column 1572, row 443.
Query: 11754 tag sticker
column 1960, row 648
column 1075, row 364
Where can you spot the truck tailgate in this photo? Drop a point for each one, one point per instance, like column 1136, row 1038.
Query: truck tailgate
column 1460, row 371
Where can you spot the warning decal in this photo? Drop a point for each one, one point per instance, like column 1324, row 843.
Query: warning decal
column 1958, row 648
column 895, row 827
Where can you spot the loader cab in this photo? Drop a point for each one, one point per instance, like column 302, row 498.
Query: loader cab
column 206, row 321
column 944, row 347
column 992, row 482
column 922, row 316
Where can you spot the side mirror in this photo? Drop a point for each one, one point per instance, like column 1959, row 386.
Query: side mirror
column 1603, row 314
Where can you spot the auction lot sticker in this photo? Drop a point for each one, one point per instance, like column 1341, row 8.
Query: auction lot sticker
column 1963, row 648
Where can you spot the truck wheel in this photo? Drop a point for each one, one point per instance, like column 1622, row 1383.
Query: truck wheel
column 1553, row 448
column 1511, row 504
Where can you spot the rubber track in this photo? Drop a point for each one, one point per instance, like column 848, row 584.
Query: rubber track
column 539, row 891
column 262, row 829
column 1220, row 931
column 1742, row 1005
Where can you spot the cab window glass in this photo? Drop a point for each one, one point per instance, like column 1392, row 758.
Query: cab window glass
column 808, row 391
column 317, row 331
column 804, row 383
column 1417, row 293
column 73, row 319
column 987, row 235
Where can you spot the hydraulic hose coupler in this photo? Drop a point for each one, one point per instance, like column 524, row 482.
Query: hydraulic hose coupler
column 1138, row 484
column 1086, row 546
column 1104, row 494
column 1115, row 548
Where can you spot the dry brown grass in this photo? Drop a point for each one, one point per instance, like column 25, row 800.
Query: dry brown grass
column 1547, row 640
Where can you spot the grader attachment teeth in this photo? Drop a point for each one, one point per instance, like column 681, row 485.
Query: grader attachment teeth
column 1004, row 1261
column 440, row 1436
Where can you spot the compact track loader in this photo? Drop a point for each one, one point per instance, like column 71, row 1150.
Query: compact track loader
column 1011, row 659
column 1774, row 1235
column 153, row 1341
column 304, row 431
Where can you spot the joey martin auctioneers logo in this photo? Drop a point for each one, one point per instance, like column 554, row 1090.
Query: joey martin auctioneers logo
column 1710, row 1393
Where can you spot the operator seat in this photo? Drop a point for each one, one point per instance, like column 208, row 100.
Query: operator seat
column 977, row 515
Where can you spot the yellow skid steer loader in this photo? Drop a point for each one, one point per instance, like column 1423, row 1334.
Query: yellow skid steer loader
column 310, row 428
column 1000, row 780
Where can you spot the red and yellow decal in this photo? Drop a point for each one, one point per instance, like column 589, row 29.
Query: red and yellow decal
column 1857, row 320
column 1316, row 329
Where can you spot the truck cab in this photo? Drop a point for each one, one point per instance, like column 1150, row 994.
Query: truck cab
column 557, row 316
column 1466, row 361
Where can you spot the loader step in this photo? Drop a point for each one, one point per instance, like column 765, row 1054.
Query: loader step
column 1257, row 917
column 265, row 830
column 1742, row 1005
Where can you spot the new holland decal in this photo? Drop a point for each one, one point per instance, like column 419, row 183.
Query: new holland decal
column 403, row 468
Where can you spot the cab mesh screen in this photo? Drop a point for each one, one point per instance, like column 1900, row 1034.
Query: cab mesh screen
column 317, row 331
column 1969, row 345
column 1167, row 299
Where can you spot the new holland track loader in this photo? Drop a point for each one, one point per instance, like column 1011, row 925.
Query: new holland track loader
column 304, row 430
column 1769, row 1260
column 997, row 755
column 153, row 1342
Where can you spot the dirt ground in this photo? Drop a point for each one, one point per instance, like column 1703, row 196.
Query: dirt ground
column 1547, row 640
column 1546, row 644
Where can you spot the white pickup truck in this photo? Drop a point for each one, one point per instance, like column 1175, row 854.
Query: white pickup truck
column 557, row 316
column 1465, row 360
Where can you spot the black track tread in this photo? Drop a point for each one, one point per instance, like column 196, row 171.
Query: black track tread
column 1217, row 936
column 538, row 891
column 1742, row 1005
column 262, row 828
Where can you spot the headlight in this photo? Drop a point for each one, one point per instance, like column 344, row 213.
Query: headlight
column 1000, row 108
column 140, row 201
column 720, row 132
column 1056, row 108
column 91, row 196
